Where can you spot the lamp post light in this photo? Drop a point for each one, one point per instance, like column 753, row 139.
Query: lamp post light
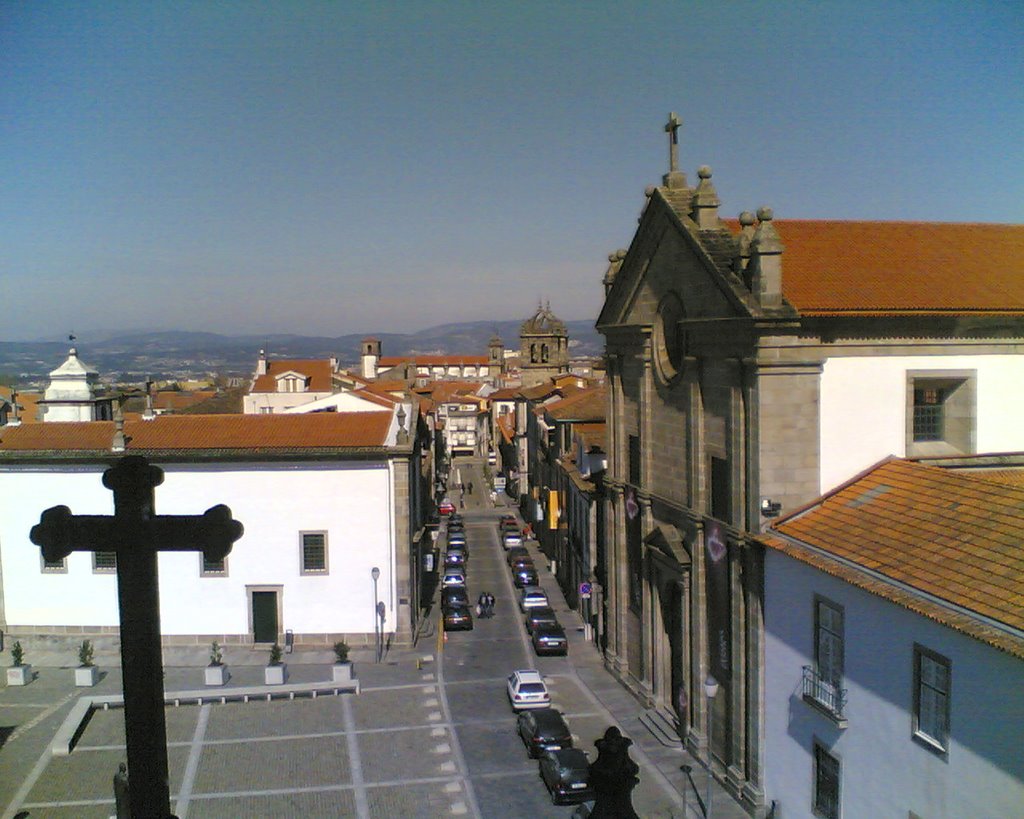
column 375, row 574
column 710, row 690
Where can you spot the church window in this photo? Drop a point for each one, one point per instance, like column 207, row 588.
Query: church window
column 314, row 552
column 544, row 353
column 533, row 353
column 941, row 412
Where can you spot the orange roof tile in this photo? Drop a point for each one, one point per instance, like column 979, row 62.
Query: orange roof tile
column 318, row 371
column 205, row 432
column 590, row 404
column 594, row 435
column 174, row 400
column 28, row 403
column 952, row 536
column 885, row 268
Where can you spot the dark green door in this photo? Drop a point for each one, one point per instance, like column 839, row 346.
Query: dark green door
column 264, row 616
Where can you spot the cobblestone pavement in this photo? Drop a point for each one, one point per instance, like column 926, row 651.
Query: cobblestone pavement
column 431, row 734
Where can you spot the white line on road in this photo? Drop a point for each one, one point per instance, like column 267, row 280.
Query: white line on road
column 354, row 761
column 474, row 808
column 192, row 766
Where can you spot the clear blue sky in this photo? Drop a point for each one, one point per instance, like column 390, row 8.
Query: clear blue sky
column 372, row 167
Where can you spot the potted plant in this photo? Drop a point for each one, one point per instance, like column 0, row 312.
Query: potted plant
column 276, row 671
column 20, row 672
column 216, row 671
column 341, row 671
column 86, row 675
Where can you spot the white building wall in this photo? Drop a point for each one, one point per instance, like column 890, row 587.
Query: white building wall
column 353, row 504
column 258, row 403
column 884, row 772
column 864, row 404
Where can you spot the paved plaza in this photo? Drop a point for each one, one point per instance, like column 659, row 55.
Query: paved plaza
column 430, row 735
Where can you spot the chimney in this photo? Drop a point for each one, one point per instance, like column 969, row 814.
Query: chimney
column 149, row 414
column 705, row 201
column 261, row 364
column 403, row 434
column 766, row 261
column 15, row 419
column 119, row 444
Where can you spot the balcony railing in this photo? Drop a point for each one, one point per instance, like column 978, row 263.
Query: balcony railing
column 824, row 694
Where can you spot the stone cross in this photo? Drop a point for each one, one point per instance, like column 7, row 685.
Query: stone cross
column 136, row 534
column 672, row 129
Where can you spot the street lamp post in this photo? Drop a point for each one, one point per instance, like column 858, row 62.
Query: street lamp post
column 710, row 690
column 375, row 574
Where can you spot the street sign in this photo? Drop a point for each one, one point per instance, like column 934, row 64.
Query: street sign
column 585, row 590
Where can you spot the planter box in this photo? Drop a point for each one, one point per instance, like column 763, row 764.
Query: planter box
column 216, row 674
column 275, row 674
column 87, row 676
column 19, row 675
column 341, row 672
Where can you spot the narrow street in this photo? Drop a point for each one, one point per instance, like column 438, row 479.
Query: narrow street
column 474, row 665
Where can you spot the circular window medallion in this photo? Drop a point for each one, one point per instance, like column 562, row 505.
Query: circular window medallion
column 669, row 340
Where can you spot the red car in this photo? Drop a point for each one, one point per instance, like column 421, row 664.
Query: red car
column 446, row 507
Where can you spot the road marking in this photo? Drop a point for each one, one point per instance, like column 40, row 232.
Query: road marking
column 472, row 806
column 192, row 766
column 355, row 762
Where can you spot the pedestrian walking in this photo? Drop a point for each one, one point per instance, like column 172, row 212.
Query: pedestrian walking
column 490, row 604
column 470, row 487
column 481, row 605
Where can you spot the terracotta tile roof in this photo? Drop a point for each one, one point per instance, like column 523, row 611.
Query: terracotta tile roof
column 318, row 371
column 1011, row 477
column 504, row 394
column 441, row 391
column 507, row 427
column 195, row 433
column 589, row 404
column 920, row 535
column 28, row 402
column 435, row 360
column 887, row 268
column 172, row 400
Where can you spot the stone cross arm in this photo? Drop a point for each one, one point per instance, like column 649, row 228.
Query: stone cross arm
column 59, row 533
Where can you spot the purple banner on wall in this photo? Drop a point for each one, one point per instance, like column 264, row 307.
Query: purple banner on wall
column 716, row 584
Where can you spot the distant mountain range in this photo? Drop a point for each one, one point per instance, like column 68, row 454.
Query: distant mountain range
column 131, row 356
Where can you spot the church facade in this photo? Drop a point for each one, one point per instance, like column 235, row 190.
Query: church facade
column 752, row 366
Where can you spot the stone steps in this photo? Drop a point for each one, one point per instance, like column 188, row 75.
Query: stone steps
column 662, row 727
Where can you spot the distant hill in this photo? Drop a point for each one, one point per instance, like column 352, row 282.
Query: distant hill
column 169, row 354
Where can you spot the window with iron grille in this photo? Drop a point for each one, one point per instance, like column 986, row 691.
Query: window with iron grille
column 104, row 561
column 928, row 415
column 55, row 566
column 826, row 783
column 941, row 412
column 314, row 552
column 931, row 698
column 212, row 568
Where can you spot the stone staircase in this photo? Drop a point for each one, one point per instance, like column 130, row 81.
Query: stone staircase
column 663, row 726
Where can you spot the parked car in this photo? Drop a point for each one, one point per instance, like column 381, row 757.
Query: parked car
column 549, row 639
column 455, row 560
column 533, row 596
column 446, row 507
column 455, row 518
column 538, row 616
column 510, row 539
column 458, row 618
column 456, row 537
column 454, row 596
column 526, row 689
column 522, row 562
column 453, row 577
column 565, row 772
column 527, row 576
column 515, row 553
column 543, row 730
column 508, row 519
column 456, row 526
